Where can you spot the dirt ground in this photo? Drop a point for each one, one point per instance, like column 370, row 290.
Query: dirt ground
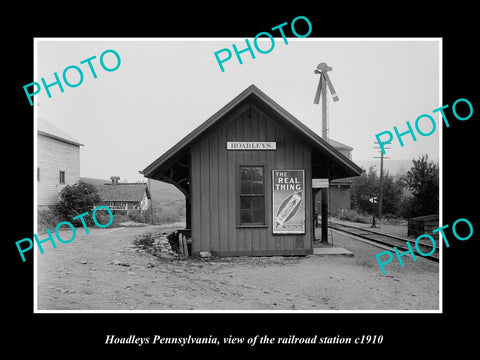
column 106, row 271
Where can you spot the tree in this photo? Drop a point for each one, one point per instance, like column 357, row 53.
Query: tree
column 422, row 180
column 364, row 187
column 367, row 186
column 77, row 199
column 392, row 194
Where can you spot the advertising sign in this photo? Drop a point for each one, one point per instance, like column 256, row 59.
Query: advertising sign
column 288, row 198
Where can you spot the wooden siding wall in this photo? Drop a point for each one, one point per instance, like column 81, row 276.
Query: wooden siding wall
column 214, row 186
column 54, row 156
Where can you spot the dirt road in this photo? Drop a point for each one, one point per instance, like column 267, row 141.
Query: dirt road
column 106, row 271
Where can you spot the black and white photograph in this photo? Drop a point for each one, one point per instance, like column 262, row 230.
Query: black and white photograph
column 242, row 189
column 225, row 180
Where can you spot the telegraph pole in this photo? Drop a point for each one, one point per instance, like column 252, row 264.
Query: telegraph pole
column 380, row 195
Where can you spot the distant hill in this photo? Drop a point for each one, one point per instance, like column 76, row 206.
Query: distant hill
column 160, row 191
column 95, row 181
column 163, row 192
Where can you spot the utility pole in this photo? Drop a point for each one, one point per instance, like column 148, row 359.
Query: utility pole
column 380, row 195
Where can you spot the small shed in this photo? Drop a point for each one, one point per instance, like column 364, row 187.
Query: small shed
column 124, row 197
column 246, row 174
column 423, row 225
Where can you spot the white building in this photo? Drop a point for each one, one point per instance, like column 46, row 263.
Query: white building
column 58, row 162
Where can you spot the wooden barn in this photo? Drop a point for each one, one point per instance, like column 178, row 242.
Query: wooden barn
column 58, row 162
column 124, row 197
column 246, row 173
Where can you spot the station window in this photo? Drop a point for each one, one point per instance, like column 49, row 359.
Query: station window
column 252, row 195
column 61, row 179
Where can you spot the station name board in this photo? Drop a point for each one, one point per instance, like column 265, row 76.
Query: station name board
column 251, row 145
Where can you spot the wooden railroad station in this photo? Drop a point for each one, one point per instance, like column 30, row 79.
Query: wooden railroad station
column 246, row 174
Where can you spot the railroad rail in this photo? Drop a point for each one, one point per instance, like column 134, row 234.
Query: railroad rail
column 389, row 240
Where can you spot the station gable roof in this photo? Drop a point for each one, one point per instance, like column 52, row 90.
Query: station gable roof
column 344, row 167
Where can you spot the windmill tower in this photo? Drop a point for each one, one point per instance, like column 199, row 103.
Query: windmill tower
column 324, row 81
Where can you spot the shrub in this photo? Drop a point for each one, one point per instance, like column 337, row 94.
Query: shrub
column 137, row 216
column 77, row 199
column 392, row 219
column 423, row 182
column 410, row 207
column 353, row 216
column 47, row 218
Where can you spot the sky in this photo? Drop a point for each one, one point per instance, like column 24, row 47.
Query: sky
column 164, row 88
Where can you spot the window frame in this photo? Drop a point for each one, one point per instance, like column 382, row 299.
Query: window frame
column 60, row 172
column 239, row 195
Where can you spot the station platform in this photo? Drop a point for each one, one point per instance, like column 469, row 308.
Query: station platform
column 331, row 250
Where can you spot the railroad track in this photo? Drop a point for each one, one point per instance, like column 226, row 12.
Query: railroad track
column 388, row 240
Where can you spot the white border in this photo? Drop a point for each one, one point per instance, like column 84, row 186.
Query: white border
column 35, row 183
column 306, row 39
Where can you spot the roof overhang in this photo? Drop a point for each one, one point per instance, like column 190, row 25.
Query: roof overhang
column 59, row 138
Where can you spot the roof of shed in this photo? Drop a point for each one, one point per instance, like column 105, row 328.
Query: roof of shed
column 338, row 145
column 46, row 128
column 349, row 168
column 133, row 192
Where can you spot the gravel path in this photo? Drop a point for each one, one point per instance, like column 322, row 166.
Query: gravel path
column 106, row 271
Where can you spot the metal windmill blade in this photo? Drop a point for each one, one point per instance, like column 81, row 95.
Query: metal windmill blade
column 330, row 86
column 319, row 88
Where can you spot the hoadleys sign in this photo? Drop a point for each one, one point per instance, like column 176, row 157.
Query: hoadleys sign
column 288, row 199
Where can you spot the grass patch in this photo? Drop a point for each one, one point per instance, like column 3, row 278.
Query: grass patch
column 364, row 218
column 353, row 216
